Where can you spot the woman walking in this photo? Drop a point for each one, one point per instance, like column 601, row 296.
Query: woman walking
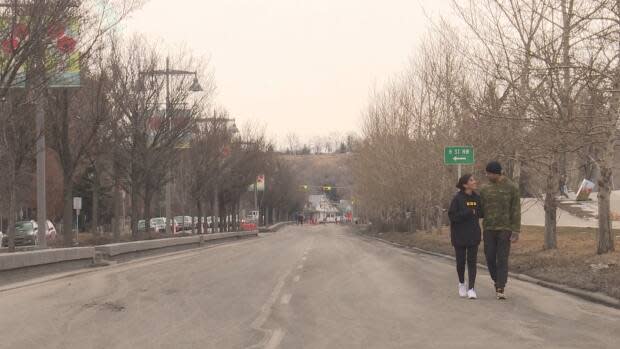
column 465, row 232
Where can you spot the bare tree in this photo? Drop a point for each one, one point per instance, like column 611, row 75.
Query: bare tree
column 16, row 153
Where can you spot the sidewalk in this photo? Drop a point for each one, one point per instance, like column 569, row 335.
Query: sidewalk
column 533, row 213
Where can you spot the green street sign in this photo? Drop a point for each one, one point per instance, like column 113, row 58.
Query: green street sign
column 458, row 155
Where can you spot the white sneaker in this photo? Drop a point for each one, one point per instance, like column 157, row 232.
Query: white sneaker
column 471, row 294
column 462, row 290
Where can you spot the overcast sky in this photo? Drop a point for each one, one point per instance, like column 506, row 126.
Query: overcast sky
column 303, row 66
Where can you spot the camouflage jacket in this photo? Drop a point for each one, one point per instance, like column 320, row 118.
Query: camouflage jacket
column 501, row 206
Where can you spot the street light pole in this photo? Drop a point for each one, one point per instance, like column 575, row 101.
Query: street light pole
column 169, row 218
column 41, row 190
column 194, row 88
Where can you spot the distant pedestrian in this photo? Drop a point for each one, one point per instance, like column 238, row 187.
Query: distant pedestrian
column 465, row 232
column 501, row 205
column 300, row 218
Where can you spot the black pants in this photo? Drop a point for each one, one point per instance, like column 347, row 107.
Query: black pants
column 497, row 250
column 469, row 254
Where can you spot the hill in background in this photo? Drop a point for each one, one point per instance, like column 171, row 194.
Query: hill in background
column 323, row 169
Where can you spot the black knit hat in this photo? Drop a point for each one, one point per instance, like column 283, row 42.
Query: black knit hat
column 494, row 167
column 462, row 181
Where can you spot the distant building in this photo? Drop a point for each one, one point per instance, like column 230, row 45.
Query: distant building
column 319, row 209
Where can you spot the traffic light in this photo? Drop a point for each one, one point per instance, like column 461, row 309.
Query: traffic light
column 304, row 187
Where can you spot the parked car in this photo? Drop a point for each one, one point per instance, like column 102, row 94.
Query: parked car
column 157, row 224
column 26, row 233
column 183, row 223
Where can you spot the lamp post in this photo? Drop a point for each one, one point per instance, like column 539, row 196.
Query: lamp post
column 195, row 87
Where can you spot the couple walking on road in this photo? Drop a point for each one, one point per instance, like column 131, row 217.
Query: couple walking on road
column 499, row 206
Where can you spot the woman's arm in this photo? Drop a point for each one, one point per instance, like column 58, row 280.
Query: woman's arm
column 458, row 211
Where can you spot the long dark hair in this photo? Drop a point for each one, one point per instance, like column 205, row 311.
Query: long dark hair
column 463, row 180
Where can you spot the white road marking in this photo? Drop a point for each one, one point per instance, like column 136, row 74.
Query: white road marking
column 276, row 339
column 286, row 298
column 304, row 259
column 300, row 266
column 272, row 339
column 296, row 279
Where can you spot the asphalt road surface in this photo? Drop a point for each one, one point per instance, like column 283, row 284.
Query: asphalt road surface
column 310, row 287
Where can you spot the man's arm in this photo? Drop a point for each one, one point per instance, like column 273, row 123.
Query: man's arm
column 515, row 214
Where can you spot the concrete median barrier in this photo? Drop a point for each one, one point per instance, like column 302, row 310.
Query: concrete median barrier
column 11, row 261
column 22, row 266
column 113, row 250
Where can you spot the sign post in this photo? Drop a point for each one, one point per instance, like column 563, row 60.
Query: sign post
column 77, row 206
column 459, row 155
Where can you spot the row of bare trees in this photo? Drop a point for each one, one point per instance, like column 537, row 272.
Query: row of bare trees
column 533, row 83
column 333, row 143
column 126, row 131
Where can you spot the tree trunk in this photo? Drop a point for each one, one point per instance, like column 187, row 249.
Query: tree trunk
column 200, row 216
column 117, row 209
column 551, row 206
column 148, row 199
column 216, row 211
column 67, row 216
column 605, row 236
column 12, row 211
column 134, row 213
column 193, row 214
column 95, row 218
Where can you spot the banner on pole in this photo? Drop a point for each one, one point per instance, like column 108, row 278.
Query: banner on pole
column 63, row 57
column 260, row 184
column 13, row 31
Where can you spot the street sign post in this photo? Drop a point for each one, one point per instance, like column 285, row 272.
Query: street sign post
column 77, row 206
column 459, row 155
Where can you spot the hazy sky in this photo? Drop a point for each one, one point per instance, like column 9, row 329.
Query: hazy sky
column 303, row 66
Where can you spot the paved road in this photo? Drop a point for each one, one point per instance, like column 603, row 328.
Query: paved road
column 311, row 287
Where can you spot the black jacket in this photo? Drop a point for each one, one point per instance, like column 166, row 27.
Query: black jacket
column 465, row 213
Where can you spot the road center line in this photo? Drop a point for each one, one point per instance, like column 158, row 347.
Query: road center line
column 286, row 298
column 276, row 339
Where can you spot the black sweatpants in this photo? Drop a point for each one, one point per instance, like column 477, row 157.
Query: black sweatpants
column 469, row 254
column 497, row 251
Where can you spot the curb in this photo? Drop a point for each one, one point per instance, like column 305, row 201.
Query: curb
column 594, row 297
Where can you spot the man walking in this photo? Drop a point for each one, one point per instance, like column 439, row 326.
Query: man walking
column 501, row 206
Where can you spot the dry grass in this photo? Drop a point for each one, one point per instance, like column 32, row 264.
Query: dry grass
column 575, row 262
